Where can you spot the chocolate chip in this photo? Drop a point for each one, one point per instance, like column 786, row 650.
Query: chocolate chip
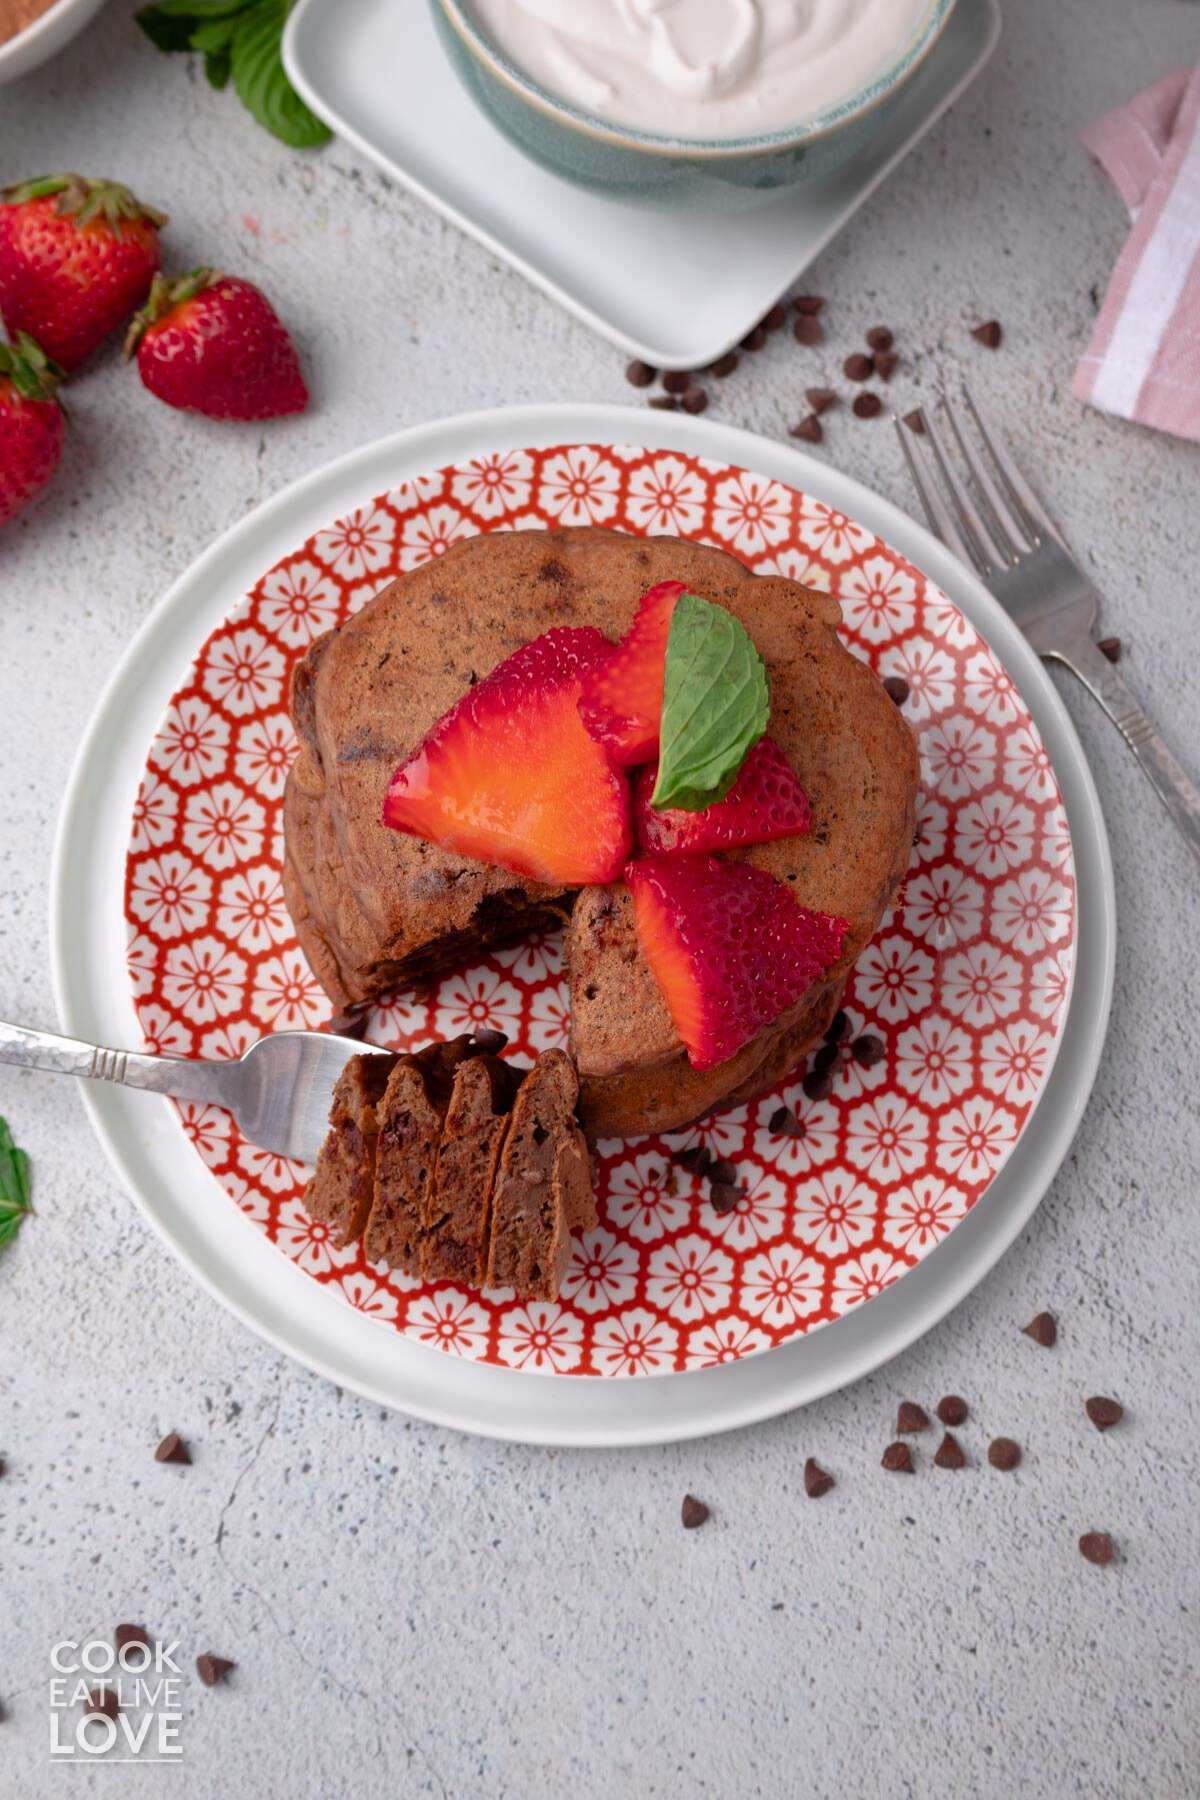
column 1103, row 1412
column 896, row 688
column 820, row 399
column 212, row 1669
column 949, row 1453
column 696, row 1158
column 880, row 338
column 754, row 340
column 988, row 334
column 1004, row 1453
column 677, row 381
column 725, row 365
column 858, row 366
column 663, row 403
column 811, row 304
column 724, row 1196
column 1097, row 1547
column 817, row 1086
column 722, row 1170
column 693, row 1512
column 910, row 1417
column 915, row 420
column 784, row 1123
column 1110, row 647
column 776, row 319
column 103, row 1700
column 808, row 329
column 1042, row 1330
column 695, row 400
column 838, row 1028
column 639, row 373
column 809, row 430
column 952, row 1410
column 886, row 364
column 868, row 1050
column 490, row 1041
column 897, row 1459
column 826, row 1058
column 126, row 1635
column 866, row 406
column 173, row 1450
column 817, row 1481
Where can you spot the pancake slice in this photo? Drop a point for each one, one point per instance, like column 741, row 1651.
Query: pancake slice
column 457, row 1222
column 343, row 1183
column 543, row 1190
column 410, row 1118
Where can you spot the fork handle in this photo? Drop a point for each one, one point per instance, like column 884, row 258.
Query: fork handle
column 175, row 1075
column 1174, row 786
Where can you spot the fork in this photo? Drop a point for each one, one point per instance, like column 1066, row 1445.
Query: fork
column 997, row 524
column 279, row 1092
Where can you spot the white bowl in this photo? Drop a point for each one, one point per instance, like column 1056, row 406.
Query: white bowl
column 45, row 37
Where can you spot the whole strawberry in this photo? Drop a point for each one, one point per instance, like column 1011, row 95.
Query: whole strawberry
column 31, row 423
column 211, row 343
column 76, row 258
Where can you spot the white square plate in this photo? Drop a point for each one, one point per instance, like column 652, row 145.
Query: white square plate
column 375, row 72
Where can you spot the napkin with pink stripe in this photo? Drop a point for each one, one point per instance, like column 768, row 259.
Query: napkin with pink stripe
column 1143, row 362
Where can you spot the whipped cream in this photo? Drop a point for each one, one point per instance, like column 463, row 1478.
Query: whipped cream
column 701, row 68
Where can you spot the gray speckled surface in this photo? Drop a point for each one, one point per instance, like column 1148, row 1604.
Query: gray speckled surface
column 419, row 1613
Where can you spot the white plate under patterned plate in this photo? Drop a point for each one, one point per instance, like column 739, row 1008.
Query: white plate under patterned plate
column 225, row 1250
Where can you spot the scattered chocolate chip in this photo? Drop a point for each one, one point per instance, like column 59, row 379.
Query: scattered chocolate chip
column 988, row 334
column 776, row 319
column 811, row 304
column 677, row 381
column 880, row 338
column 817, row 1084
column 858, row 366
column 212, row 1669
column 1110, row 647
column 695, row 400
column 808, row 329
column 809, row 430
column 1103, row 1412
column 1042, row 1330
column 352, row 1023
column 952, row 1410
column 838, row 1028
column 663, row 403
column 724, row 1196
column 784, row 1123
column 868, row 1050
column 173, row 1450
column 696, row 1158
column 639, row 374
column 886, row 364
column 910, row 1417
column 820, row 399
column 896, row 688
column 915, row 420
column 3, row 1468
column 754, row 340
column 490, row 1041
column 721, row 1169
column 103, row 1700
column 826, row 1058
column 693, row 1512
column 866, row 406
column 127, row 1635
column 949, row 1453
column 897, row 1459
column 725, row 365
column 1097, row 1547
column 817, row 1481
column 1004, row 1453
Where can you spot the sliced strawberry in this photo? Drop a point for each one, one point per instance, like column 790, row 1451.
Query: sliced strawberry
column 622, row 699
column 728, row 946
column 766, row 801
column 511, row 776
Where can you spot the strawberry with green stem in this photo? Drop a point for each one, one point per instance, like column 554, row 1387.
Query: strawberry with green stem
column 214, row 344
column 32, row 423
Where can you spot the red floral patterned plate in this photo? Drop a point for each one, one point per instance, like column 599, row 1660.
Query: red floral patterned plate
column 967, row 981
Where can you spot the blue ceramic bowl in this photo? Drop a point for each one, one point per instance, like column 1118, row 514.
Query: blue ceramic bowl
column 680, row 171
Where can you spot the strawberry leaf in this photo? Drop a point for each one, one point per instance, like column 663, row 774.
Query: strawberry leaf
column 261, row 81
column 715, row 705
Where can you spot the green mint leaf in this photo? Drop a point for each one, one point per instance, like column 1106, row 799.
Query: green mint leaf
column 715, row 705
column 213, row 36
column 216, row 68
column 165, row 31
column 14, row 1186
column 261, row 81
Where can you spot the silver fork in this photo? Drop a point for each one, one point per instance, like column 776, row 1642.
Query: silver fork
column 279, row 1091
column 996, row 523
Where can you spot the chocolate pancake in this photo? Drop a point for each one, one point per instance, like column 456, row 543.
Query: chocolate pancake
column 343, row 1182
column 410, row 1117
column 457, row 1223
column 375, row 909
column 543, row 1189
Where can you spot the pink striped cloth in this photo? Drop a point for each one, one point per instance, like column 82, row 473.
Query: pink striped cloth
column 1143, row 362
